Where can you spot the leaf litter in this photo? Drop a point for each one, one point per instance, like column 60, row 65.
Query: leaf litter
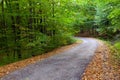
column 101, row 67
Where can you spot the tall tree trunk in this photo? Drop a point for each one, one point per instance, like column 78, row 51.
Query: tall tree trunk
column 53, row 12
column 4, row 29
column 18, row 37
column 30, row 22
column 15, row 26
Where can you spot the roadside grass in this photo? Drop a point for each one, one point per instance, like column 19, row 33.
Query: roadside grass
column 116, row 47
column 78, row 41
column 114, row 52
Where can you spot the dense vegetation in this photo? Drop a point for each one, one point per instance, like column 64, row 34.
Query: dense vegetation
column 32, row 27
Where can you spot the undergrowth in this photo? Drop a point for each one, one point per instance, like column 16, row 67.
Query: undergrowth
column 116, row 47
column 115, row 52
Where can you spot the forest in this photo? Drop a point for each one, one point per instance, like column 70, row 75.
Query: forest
column 32, row 27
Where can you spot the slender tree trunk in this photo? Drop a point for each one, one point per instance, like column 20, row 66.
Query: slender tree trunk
column 15, row 27
column 18, row 37
column 30, row 22
column 4, row 29
column 53, row 12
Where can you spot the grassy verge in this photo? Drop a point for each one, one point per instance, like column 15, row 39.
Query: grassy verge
column 114, row 46
column 115, row 53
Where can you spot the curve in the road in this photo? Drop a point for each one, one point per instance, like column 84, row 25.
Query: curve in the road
column 68, row 65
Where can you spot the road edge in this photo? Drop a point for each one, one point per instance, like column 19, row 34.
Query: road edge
column 100, row 68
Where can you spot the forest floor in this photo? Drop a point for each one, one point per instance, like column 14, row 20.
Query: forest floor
column 101, row 67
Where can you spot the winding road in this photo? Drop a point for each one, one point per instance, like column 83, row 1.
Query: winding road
column 68, row 65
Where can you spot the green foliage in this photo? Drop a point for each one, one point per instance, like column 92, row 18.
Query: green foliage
column 117, row 53
column 32, row 27
column 107, row 17
column 117, row 45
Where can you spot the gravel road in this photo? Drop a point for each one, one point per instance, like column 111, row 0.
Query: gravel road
column 68, row 65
